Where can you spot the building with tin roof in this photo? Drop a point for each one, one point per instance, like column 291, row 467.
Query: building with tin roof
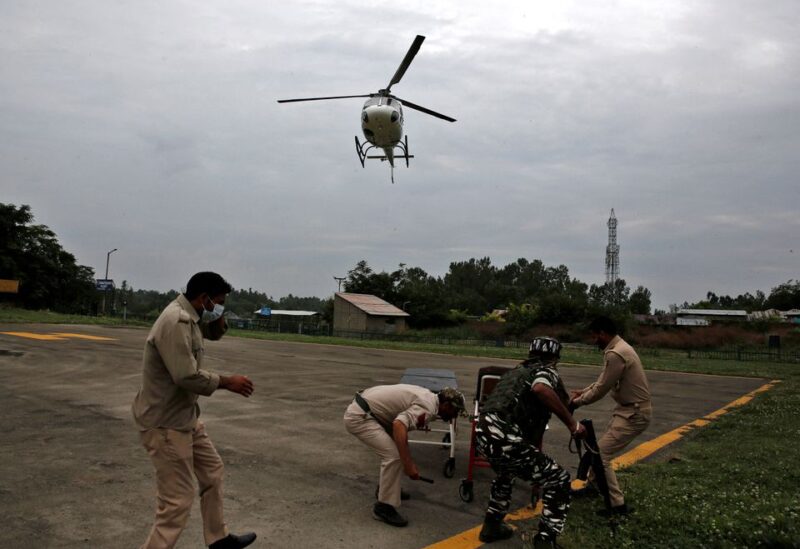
column 366, row 313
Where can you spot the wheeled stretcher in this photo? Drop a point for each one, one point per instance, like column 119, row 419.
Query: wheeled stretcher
column 488, row 377
column 436, row 380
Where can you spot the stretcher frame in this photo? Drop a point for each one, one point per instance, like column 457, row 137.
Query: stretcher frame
column 436, row 380
column 488, row 377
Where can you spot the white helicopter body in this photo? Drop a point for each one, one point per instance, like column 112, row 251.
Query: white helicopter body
column 382, row 117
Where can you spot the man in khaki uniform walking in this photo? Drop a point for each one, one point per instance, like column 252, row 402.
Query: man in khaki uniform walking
column 381, row 418
column 166, row 412
column 622, row 375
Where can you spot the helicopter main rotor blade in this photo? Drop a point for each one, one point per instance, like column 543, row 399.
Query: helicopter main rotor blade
column 411, row 105
column 321, row 98
column 401, row 70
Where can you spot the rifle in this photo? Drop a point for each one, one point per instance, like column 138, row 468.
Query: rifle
column 590, row 459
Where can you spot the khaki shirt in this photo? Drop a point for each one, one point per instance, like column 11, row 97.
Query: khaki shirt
column 623, row 375
column 413, row 405
column 172, row 373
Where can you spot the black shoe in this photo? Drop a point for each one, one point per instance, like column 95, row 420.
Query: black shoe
column 388, row 514
column 495, row 530
column 404, row 496
column 232, row 541
column 541, row 542
column 618, row 511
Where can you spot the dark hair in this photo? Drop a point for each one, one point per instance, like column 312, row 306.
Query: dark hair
column 207, row 282
column 603, row 324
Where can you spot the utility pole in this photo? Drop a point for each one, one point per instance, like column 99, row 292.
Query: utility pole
column 339, row 279
column 105, row 291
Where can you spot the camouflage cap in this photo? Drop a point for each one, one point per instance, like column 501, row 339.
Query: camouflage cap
column 454, row 397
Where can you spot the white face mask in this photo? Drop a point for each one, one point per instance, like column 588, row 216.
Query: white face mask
column 210, row 316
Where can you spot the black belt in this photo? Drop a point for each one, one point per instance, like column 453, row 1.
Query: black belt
column 363, row 403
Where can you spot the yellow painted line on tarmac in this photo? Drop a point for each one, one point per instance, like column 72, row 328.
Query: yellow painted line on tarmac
column 469, row 538
column 84, row 336
column 57, row 336
column 31, row 335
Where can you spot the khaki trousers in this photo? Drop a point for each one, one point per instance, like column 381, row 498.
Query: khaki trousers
column 176, row 456
column 366, row 429
column 626, row 424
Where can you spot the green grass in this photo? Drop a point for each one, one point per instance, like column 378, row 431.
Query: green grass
column 24, row 316
column 731, row 484
column 459, row 350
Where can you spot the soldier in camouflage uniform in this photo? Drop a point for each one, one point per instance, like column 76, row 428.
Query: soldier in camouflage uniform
column 509, row 434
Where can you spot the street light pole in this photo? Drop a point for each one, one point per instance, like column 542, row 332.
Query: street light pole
column 339, row 279
column 105, row 290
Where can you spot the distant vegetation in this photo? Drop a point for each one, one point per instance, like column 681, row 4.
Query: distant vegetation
column 529, row 293
column 49, row 277
column 242, row 302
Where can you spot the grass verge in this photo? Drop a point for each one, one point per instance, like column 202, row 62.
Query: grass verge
column 24, row 316
column 731, row 484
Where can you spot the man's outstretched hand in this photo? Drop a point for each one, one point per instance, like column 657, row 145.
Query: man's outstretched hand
column 237, row 384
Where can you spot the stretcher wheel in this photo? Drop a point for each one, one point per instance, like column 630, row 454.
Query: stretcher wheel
column 465, row 491
column 449, row 468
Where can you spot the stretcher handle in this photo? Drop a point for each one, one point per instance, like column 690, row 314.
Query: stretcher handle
column 426, row 479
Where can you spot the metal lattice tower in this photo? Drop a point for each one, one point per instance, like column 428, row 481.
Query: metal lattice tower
column 612, row 251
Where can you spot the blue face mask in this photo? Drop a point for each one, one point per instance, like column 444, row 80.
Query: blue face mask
column 210, row 316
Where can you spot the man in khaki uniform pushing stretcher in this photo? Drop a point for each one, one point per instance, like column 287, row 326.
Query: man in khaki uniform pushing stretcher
column 623, row 375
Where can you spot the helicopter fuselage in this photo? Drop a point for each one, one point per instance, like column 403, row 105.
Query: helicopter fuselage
column 382, row 121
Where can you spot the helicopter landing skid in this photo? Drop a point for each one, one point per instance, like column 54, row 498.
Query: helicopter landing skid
column 363, row 148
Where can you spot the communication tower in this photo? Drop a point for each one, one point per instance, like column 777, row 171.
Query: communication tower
column 612, row 251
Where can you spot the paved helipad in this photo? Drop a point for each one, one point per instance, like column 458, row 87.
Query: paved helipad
column 73, row 474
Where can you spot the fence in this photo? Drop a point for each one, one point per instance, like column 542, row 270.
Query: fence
column 433, row 340
column 280, row 326
column 294, row 327
column 744, row 354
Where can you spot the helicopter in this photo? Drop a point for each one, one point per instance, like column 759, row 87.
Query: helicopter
column 382, row 117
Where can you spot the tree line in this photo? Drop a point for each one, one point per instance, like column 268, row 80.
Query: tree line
column 244, row 303
column 783, row 297
column 528, row 291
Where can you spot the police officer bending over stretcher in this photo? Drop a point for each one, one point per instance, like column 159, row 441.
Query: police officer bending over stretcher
column 509, row 434
column 381, row 418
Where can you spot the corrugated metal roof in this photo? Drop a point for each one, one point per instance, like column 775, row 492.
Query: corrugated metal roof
column 286, row 312
column 372, row 305
column 711, row 312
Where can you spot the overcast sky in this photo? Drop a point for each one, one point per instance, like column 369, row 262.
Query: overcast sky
column 153, row 127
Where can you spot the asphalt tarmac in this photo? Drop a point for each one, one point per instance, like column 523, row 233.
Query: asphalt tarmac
column 73, row 473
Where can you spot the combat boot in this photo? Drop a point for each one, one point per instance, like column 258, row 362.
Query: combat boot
column 494, row 529
column 541, row 542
